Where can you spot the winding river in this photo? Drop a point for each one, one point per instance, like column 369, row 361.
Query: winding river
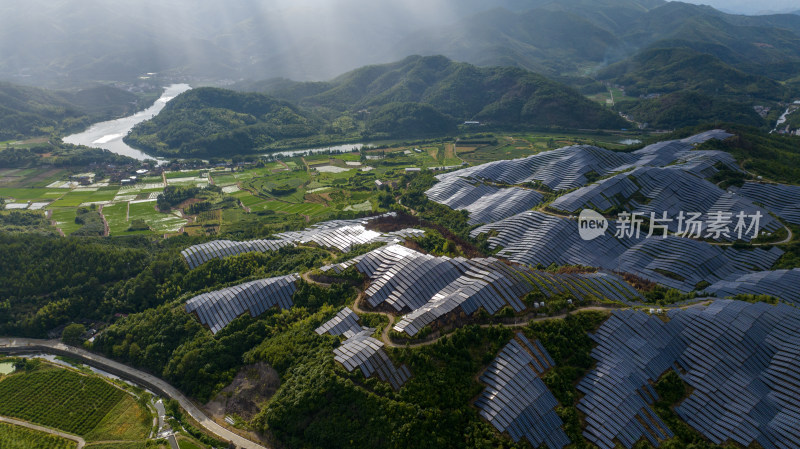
column 109, row 134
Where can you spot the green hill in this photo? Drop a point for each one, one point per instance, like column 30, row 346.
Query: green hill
column 666, row 70
column 418, row 96
column 681, row 109
column 210, row 121
column 29, row 112
column 497, row 95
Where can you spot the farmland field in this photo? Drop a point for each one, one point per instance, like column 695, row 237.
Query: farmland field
column 59, row 398
column 65, row 219
column 78, row 197
column 21, row 195
column 17, row 437
column 159, row 222
column 115, row 216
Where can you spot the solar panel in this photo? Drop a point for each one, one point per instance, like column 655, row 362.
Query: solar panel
column 516, row 400
column 740, row 360
column 218, row 308
column 339, row 234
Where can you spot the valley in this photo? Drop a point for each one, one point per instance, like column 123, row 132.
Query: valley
column 512, row 224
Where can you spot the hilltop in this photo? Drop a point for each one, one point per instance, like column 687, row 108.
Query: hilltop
column 418, row 96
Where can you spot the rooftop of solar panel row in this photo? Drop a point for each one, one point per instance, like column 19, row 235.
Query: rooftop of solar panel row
column 345, row 320
column 430, row 287
column 339, row 234
column 516, row 400
column 781, row 199
column 218, row 308
column 740, row 360
column 362, row 351
column 538, row 238
column 566, row 168
column 484, row 203
column 781, row 284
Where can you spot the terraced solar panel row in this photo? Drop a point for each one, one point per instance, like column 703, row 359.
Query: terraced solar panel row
column 197, row 255
column 218, row 308
column 740, row 360
column 650, row 190
column 782, row 284
column 516, row 400
column 345, row 320
column 566, row 168
column 781, row 199
column 534, row 237
column 484, row 203
column 366, row 353
column 431, row 287
column 561, row 169
column 617, row 395
column 340, row 234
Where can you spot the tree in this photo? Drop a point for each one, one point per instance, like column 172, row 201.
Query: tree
column 72, row 334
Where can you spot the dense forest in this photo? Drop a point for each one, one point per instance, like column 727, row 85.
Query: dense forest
column 682, row 109
column 667, row 70
column 32, row 112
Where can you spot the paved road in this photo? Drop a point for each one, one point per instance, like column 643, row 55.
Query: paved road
column 136, row 376
column 81, row 442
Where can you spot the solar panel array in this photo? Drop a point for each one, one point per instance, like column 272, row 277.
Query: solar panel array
column 197, row 255
column 561, row 169
column 782, row 284
column 516, row 399
column 344, row 321
column 566, row 168
column 430, row 287
column 218, row 308
column 339, row 234
column 783, row 200
column 631, row 350
column 535, row 237
column 360, row 350
column 657, row 190
column 741, row 360
column 484, row 203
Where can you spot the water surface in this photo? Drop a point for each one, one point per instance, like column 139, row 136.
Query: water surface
column 109, row 134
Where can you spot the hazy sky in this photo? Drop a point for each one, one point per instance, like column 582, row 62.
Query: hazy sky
column 750, row 6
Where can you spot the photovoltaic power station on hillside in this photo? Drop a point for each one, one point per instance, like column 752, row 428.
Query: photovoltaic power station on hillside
column 218, row 308
column 516, row 400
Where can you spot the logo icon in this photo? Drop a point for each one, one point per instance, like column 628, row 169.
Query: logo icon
column 591, row 224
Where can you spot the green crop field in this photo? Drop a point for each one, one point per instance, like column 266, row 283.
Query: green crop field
column 158, row 221
column 121, row 445
column 115, row 216
column 309, row 209
column 32, row 194
column 65, row 219
column 183, row 174
column 58, row 398
column 78, row 197
column 17, row 437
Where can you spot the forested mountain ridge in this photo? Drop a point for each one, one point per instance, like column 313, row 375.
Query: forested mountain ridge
column 251, row 39
column 29, row 111
column 500, row 94
column 666, row 70
column 417, row 96
column 209, row 120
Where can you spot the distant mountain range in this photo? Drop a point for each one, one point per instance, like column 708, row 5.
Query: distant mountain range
column 415, row 97
column 62, row 42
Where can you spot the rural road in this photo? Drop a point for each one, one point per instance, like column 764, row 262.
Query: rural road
column 144, row 379
column 81, row 442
